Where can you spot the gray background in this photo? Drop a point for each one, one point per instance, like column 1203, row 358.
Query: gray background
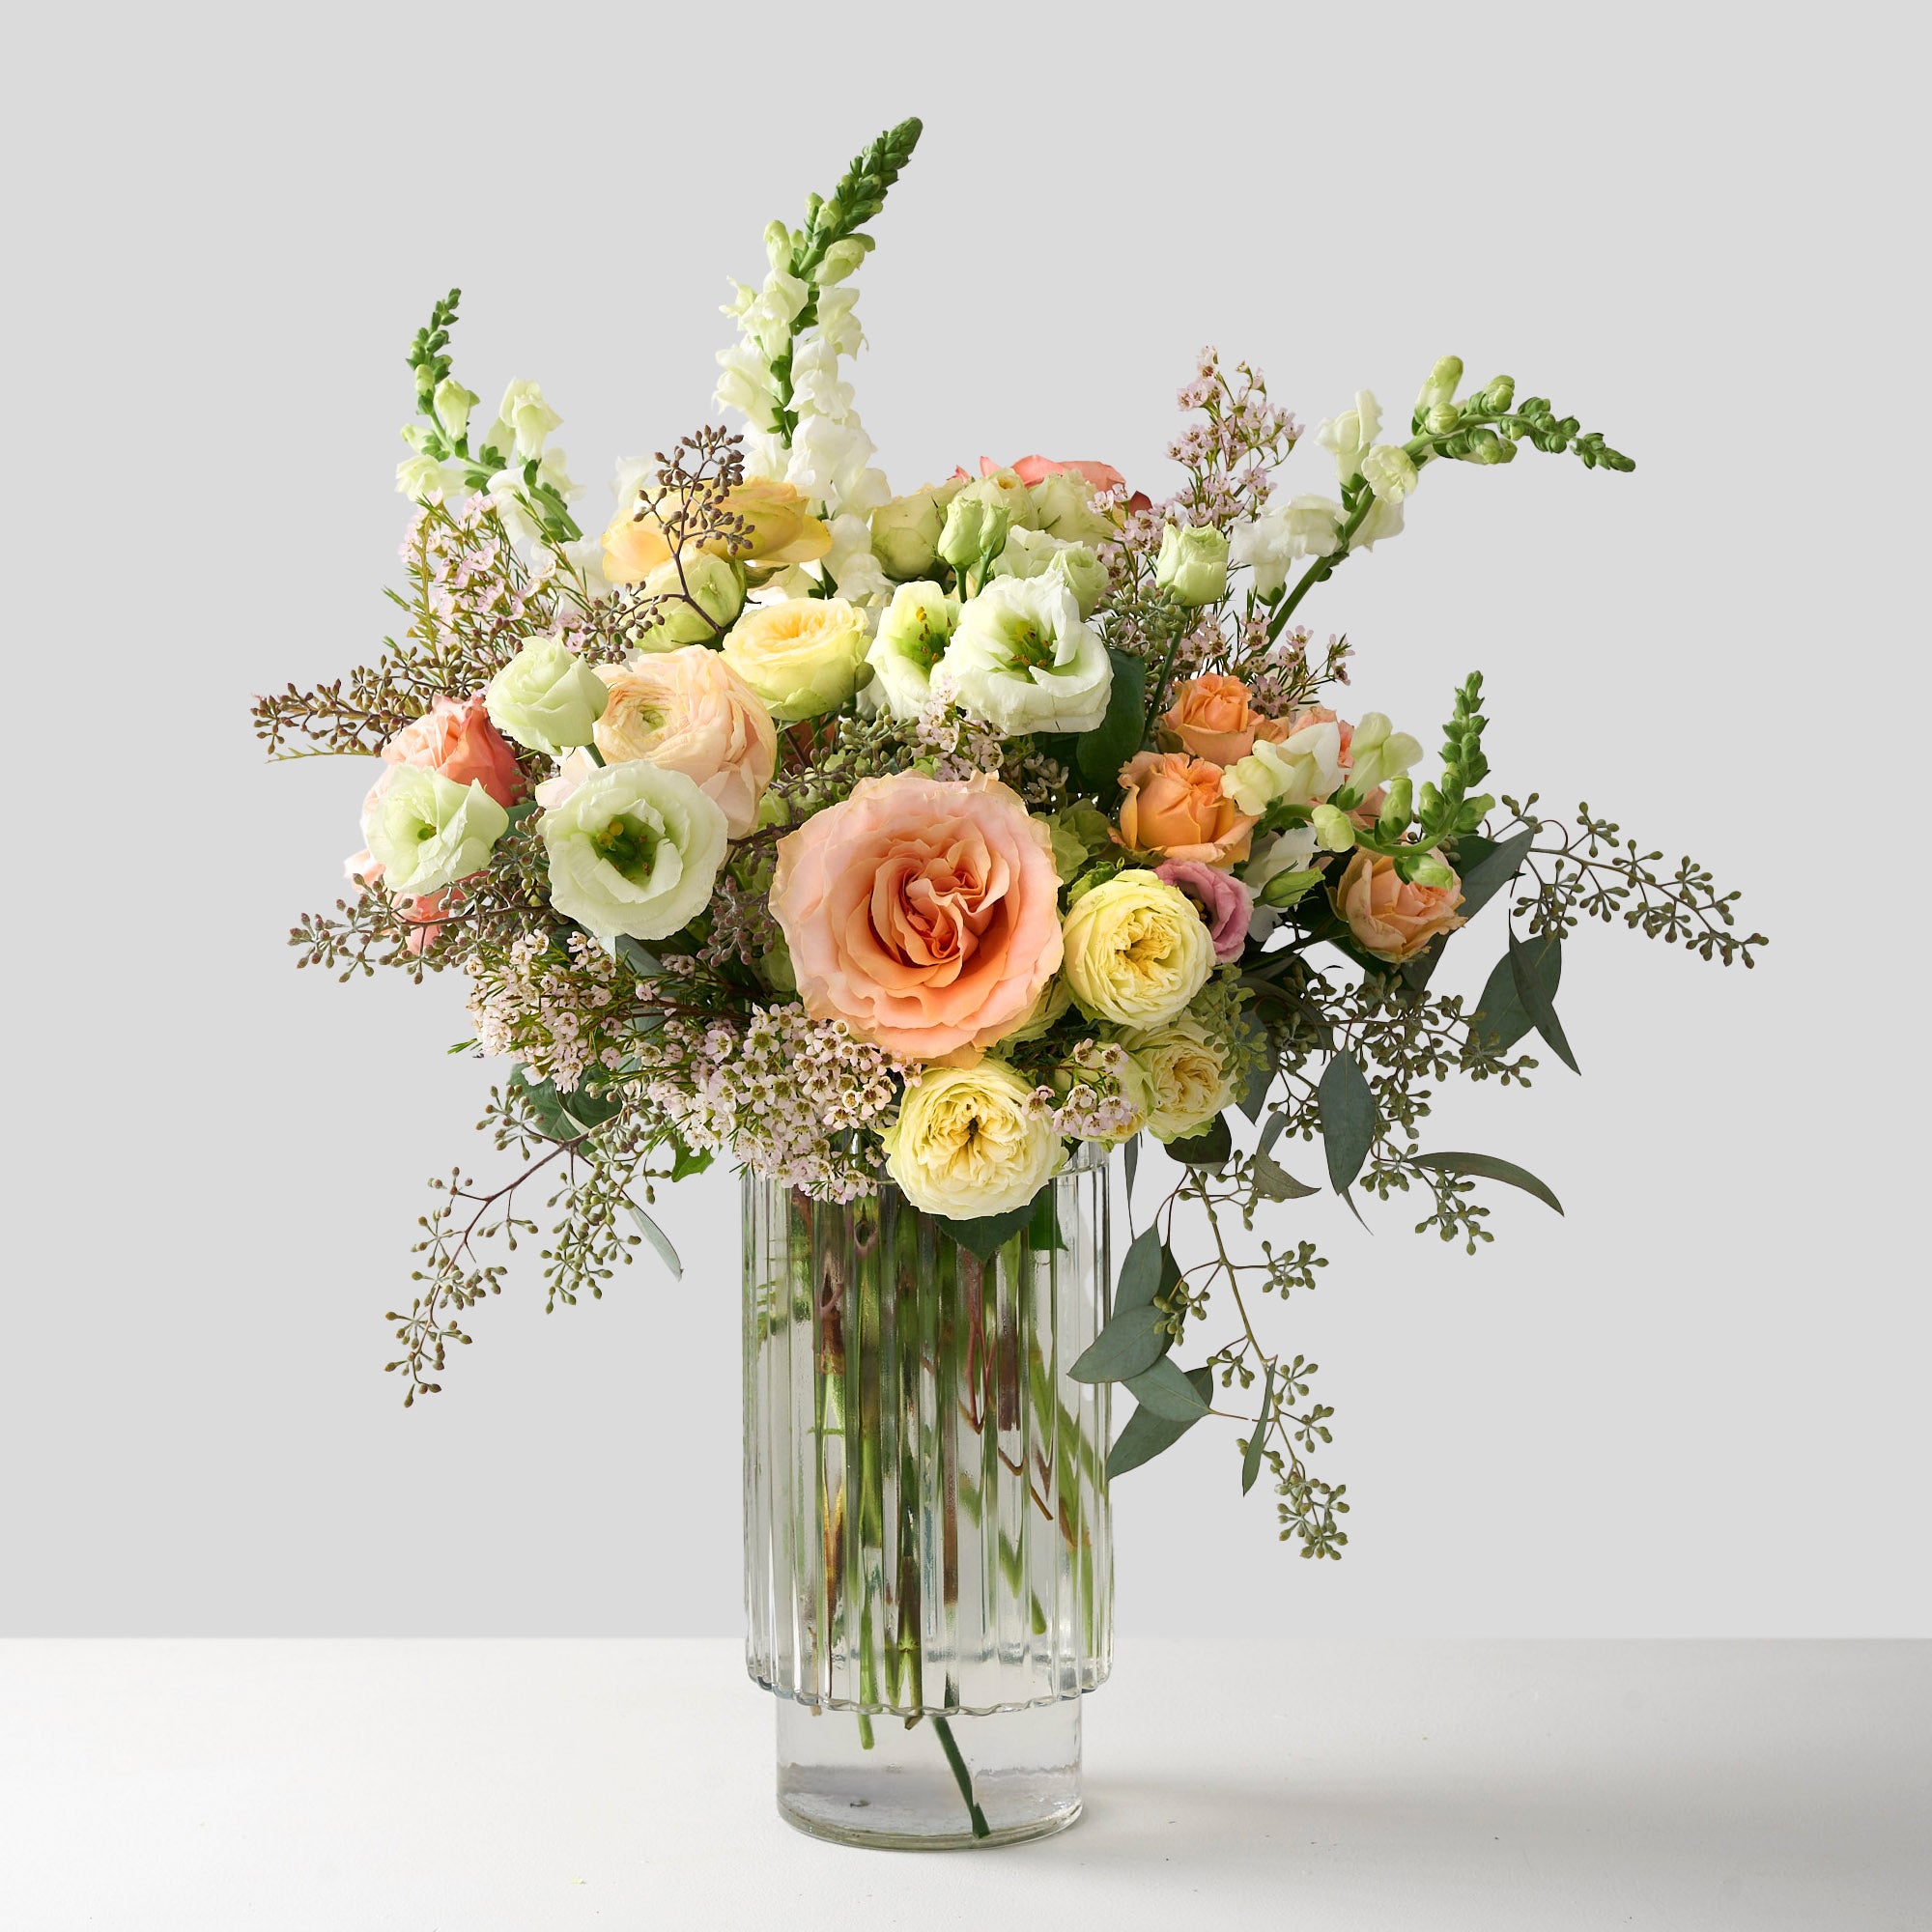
column 1691, row 1407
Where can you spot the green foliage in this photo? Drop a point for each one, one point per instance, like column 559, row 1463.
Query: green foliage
column 1105, row 748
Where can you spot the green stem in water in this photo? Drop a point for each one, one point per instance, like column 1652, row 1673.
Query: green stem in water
column 962, row 1777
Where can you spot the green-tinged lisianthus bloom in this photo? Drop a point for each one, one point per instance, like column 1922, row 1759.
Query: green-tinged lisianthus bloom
column 634, row 849
column 1036, row 554
column 1023, row 660
column 427, row 832
column 969, row 1142
column 1186, row 1065
column 913, row 635
column 547, row 697
column 905, row 534
column 1192, row 566
column 714, row 584
column 1063, row 506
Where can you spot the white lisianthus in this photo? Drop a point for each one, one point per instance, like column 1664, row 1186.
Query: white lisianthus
column 1291, row 527
column 1389, row 472
column 1305, row 768
column 426, row 831
column 634, row 849
column 1378, row 753
column 913, row 635
column 1036, row 554
column 1348, row 437
column 547, row 697
column 1062, row 504
column 528, row 418
column 1023, row 660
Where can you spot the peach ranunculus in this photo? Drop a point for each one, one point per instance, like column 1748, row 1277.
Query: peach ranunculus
column 1174, row 805
column 922, row 912
column 689, row 711
column 456, row 739
column 778, row 521
column 1387, row 917
column 1211, row 718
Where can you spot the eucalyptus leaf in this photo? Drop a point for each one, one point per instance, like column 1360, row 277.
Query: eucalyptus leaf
column 1168, row 1392
column 1251, row 1463
column 1488, row 1167
column 1105, row 748
column 1495, row 866
column 1537, row 1004
column 988, row 1234
column 1132, row 1156
column 1499, row 1020
column 1128, row 1345
column 657, row 1238
column 1044, row 1228
column 1274, row 1182
column 640, row 958
column 1349, row 1120
column 1146, row 1434
column 1140, row 1273
column 1209, row 1148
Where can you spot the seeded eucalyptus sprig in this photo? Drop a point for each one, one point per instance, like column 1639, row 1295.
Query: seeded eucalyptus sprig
column 831, row 244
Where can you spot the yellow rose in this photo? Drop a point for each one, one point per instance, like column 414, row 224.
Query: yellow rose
column 802, row 656
column 778, row 521
column 969, row 1142
column 1187, row 1067
column 1136, row 949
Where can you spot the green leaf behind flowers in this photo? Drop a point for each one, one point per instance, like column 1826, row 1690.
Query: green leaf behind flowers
column 1251, row 1461
column 1349, row 1120
column 1105, row 748
column 1169, row 1393
column 1500, row 1019
column 1536, row 1003
column 1128, row 1345
column 1146, row 1434
column 988, row 1234
column 1209, row 1148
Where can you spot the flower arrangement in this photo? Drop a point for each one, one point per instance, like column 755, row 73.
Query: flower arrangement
column 913, row 840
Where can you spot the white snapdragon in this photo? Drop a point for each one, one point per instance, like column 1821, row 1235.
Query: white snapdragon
column 528, row 418
column 1378, row 753
column 855, row 571
column 1291, row 527
column 1305, row 768
column 1347, row 436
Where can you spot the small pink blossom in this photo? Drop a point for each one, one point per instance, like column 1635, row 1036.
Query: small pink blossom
column 1225, row 902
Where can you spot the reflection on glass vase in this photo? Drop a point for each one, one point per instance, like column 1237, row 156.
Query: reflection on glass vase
column 928, row 1560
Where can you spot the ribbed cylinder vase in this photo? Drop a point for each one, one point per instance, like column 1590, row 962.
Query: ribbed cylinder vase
column 928, row 1563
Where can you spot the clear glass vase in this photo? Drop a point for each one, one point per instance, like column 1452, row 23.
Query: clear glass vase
column 928, row 1560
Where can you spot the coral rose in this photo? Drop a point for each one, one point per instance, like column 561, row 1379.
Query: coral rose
column 1388, row 917
column 1174, row 805
column 1210, row 718
column 455, row 739
column 689, row 711
column 923, row 914
column 1225, row 902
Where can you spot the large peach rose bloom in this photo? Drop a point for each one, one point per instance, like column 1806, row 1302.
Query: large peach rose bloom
column 1210, row 718
column 456, row 739
column 689, row 711
column 1388, row 917
column 1174, row 805
column 923, row 914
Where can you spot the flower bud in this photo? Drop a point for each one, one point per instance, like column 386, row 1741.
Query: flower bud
column 1389, row 470
column 1334, row 830
column 698, row 607
column 1499, row 394
column 1443, row 418
column 452, row 404
column 1285, row 888
column 973, row 530
column 906, row 535
column 1486, row 447
column 1192, row 566
column 1428, row 869
column 842, row 259
column 1440, row 386
column 778, row 244
column 1397, row 809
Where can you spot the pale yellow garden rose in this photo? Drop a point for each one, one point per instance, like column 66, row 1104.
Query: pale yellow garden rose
column 1136, row 949
column 778, row 522
column 1187, row 1067
column 801, row 655
column 969, row 1142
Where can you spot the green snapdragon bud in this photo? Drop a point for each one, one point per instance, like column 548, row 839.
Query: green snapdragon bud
column 1443, row 418
column 1486, row 447
column 1499, row 394
column 1428, row 869
column 1440, row 386
column 1397, row 809
column 778, row 244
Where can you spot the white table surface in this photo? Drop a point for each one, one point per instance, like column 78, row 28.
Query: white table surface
column 470, row 1786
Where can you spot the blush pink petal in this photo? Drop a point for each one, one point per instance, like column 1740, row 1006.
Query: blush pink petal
column 1225, row 902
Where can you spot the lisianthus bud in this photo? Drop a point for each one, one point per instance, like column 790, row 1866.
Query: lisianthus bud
column 1286, row 887
column 906, row 535
column 1430, row 870
column 1192, row 566
column 547, row 697
column 1083, row 573
column 973, row 531
column 713, row 584
column 1440, row 386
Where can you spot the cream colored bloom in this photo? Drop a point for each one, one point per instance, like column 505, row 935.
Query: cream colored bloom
column 969, row 1142
column 528, row 418
column 1389, row 472
column 426, row 831
column 633, row 850
column 1305, row 768
column 1063, row 506
column 1036, row 554
column 1192, row 566
column 801, row 655
column 1135, row 949
column 712, row 585
column 1291, row 527
column 1348, row 437
column 1188, row 1069
column 1378, row 753
column 547, row 697
column 1023, row 660
column 905, row 534
column 689, row 711
column 913, row 635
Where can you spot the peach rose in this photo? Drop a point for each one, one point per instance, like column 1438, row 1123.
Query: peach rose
column 778, row 521
column 924, row 914
column 456, row 739
column 1210, row 718
column 1387, row 917
column 1175, row 806
column 1032, row 470
column 689, row 711
column 424, row 914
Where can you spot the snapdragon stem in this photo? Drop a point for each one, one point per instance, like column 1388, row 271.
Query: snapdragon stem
column 962, row 1777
